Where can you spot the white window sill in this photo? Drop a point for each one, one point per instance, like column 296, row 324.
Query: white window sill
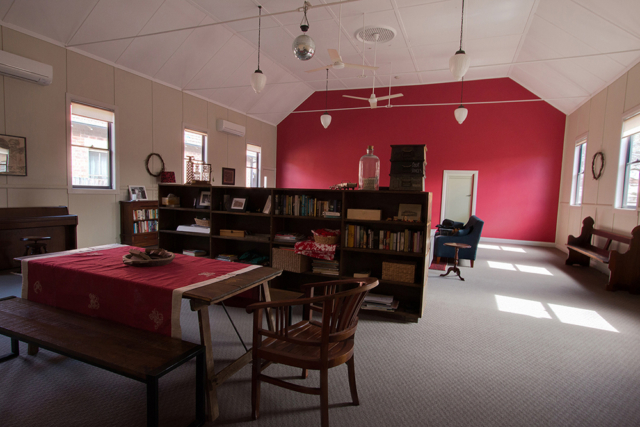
column 96, row 191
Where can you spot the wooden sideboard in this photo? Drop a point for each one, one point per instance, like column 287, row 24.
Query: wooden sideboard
column 54, row 222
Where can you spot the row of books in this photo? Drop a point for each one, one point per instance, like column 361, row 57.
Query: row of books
column 366, row 238
column 331, row 268
column 145, row 227
column 139, row 214
column 194, row 252
column 379, row 302
column 227, row 257
column 305, row 205
column 283, row 237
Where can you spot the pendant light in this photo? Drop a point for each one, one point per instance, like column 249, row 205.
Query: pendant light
column 325, row 119
column 461, row 112
column 459, row 63
column 303, row 46
column 258, row 79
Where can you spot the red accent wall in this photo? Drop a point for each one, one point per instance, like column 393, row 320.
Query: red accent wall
column 516, row 147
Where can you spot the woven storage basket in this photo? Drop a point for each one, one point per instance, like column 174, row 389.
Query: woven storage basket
column 326, row 240
column 202, row 222
column 399, row 271
column 290, row 261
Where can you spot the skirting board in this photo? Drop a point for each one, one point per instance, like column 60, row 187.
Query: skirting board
column 509, row 241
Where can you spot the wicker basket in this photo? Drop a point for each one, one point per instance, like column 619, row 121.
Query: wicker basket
column 290, row 261
column 399, row 271
column 326, row 240
column 202, row 222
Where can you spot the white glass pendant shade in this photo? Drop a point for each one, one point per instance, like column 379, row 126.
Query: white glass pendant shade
column 325, row 119
column 461, row 114
column 459, row 64
column 304, row 47
column 258, row 81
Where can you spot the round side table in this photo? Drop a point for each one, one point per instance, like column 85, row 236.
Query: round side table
column 455, row 268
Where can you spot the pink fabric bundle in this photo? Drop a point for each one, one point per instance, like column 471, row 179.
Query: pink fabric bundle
column 315, row 250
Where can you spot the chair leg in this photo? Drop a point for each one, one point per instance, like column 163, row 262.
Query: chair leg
column 472, row 263
column 305, row 374
column 437, row 260
column 352, row 381
column 324, row 397
column 255, row 389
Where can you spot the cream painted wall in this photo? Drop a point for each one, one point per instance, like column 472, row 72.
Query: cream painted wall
column 601, row 119
column 150, row 118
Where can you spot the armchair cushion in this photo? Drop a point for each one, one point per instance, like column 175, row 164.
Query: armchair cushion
column 470, row 234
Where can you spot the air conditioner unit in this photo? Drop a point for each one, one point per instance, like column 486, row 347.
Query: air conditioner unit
column 232, row 128
column 25, row 69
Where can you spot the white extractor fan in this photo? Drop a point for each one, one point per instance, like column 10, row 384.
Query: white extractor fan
column 373, row 100
column 336, row 59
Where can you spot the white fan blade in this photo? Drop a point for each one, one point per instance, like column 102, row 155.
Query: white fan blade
column 361, row 67
column 356, row 97
column 334, row 55
column 326, row 67
column 397, row 95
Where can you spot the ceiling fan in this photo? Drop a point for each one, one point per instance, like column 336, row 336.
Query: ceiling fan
column 336, row 59
column 373, row 100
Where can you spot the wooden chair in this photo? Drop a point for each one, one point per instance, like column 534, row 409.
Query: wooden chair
column 310, row 344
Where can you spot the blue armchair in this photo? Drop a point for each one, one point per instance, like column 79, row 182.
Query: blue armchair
column 469, row 234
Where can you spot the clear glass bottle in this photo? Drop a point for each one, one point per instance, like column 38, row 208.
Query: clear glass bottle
column 369, row 174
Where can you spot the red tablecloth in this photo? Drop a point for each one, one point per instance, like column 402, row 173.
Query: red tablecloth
column 98, row 284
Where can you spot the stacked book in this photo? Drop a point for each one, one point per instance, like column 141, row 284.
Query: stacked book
column 379, row 302
column 283, row 237
column 193, row 228
column 331, row 268
column 327, row 214
column 227, row 257
column 194, row 252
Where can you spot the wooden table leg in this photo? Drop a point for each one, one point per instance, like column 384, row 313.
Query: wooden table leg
column 211, row 393
column 267, row 297
column 455, row 268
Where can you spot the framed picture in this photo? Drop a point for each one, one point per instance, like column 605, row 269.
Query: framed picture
column 205, row 199
column 409, row 212
column 137, row 192
column 239, row 205
column 228, row 176
column 168, row 177
column 13, row 155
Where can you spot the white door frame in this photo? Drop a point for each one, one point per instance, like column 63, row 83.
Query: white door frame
column 445, row 176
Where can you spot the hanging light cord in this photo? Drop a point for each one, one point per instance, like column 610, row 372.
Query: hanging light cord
column 305, row 21
column 259, row 26
column 461, row 24
column 326, row 97
column 461, row 91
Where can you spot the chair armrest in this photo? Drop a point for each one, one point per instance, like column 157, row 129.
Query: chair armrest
column 286, row 303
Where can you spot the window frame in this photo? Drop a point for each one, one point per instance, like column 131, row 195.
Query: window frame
column 205, row 151
column 579, row 169
column 625, row 161
column 259, row 168
column 113, row 151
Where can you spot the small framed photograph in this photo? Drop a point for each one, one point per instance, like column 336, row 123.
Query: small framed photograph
column 204, row 201
column 13, row 155
column 409, row 212
column 228, row 176
column 137, row 192
column 239, row 205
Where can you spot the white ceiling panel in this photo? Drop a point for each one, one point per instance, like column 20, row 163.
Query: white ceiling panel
column 433, row 23
column 5, row 5
column 274, row 102
column 549, row 82
column 492, row 72
column 222, row 64
column 193, row 54
column 274, row 119
column 437, row 76
column 592, row 29
column 148, row 54
column 278, row 6
column 363, row 6
column 491, row 18
column 172, row 15
column 57, row 20
column 110, row 51
column 545, row 40
column 227, row 96
column 111, row 19
column 622, row 13
column 224, row 10
column 625, row 59
column 248, row 98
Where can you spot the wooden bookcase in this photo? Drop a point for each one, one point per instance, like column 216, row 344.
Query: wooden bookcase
column 134, row 226
column 262, row 229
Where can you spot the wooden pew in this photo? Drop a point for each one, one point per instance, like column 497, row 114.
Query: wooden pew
column 54, row 222
column 624, row 267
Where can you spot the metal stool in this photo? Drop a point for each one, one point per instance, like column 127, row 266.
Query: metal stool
column 33, row 247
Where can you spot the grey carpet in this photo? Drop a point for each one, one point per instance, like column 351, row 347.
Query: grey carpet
column 465, row 363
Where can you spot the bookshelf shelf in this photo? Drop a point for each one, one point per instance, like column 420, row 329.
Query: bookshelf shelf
column 136, row 216
column 410, row 296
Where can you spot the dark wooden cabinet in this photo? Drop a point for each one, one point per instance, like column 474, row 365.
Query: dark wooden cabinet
column 261, row 229
column 139, row 223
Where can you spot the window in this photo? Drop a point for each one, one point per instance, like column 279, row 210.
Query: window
column 630, row 151
column 92, row 147
column 4, row 159
column 253, row 165
column 195, row 145
column 578, row 171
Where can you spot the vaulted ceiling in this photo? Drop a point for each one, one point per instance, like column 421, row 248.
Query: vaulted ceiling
column 564, row 51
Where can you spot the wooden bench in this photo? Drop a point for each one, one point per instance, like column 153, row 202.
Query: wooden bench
column 624, row 267
column 140, row 355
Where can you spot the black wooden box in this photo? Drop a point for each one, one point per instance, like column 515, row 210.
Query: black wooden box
column 408, row 153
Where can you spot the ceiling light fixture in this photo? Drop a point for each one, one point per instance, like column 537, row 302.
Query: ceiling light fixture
column 325, row 119
column 459, row 63
column 303, row 46
column 461, row 112
column 258, row 79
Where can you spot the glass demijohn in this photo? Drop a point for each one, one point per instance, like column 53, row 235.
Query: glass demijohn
column 369, row 174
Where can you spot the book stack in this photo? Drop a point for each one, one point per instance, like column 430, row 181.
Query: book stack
column 360, row 274
column 193, row 228
column 331, row 268
column 379, row 302
column 227, row 257
column 194, row 252
column 283, row 237
column 328, row 214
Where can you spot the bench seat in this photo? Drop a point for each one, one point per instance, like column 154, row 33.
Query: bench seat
column 593, row 252
column 140, row 355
